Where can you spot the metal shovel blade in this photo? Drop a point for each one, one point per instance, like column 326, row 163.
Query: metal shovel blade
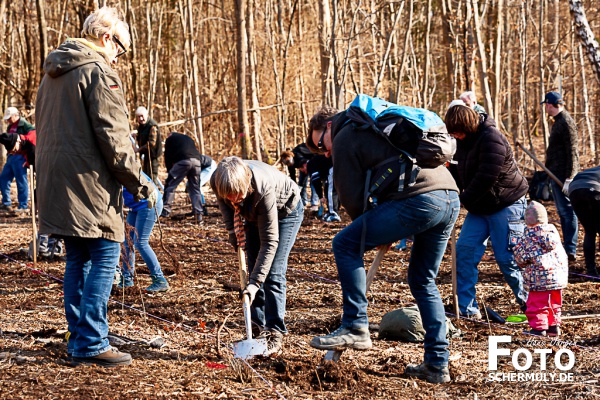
column 248, row 348
column 333, row 355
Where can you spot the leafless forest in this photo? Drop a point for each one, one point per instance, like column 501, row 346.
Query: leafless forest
column 243, row 77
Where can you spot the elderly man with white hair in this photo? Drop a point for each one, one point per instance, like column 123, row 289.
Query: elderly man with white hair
column 149, row 142
column 84, row 158
column 15, row 166
column 471, row 101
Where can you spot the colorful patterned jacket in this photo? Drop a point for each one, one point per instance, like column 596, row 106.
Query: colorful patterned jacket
column 543, row 258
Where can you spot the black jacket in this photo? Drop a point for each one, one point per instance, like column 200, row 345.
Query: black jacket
column 180, row 147
column 562, row 157
column 301, row 152
column 486, row 171
column 355, row 152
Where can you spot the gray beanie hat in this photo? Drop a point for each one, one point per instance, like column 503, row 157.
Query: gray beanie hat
column 536, row 214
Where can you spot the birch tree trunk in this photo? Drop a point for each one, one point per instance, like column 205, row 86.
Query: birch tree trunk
column 583, row 30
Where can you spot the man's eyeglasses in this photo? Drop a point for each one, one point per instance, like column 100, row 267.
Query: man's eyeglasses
column 321, row 144
column 122, row 49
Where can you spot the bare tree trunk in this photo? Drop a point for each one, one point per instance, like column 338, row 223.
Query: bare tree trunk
column 586, row 110
column 42, row 27
column 384, row 59
column 255, row 104
column 324, row 42
column 482, row 61
column 196, row 78
column 133, row 70
column 242, row 51
column 542, row 92
column 427, row 56
column 498, row 66
column 405, row 50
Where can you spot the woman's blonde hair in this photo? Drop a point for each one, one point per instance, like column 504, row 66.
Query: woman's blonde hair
column 107, row 20
column 232, row 176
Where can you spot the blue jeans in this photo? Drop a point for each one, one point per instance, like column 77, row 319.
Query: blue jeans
column 429, row 217
column 268, row 307
column 471, row 244
column 14, row 169
column 303, row 183
column 89, row 276
column 205, row 175
column 568, row 219
column 191, row 169
column 142, row 222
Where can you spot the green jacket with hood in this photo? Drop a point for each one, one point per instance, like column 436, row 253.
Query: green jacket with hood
column 83, row 150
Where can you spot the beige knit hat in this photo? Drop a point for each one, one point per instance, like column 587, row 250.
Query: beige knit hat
column 536, row 214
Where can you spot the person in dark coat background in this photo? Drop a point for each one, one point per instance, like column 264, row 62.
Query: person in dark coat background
column 182, row 160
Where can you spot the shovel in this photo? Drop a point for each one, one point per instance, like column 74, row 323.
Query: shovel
column 246, row 349
column 334, row 355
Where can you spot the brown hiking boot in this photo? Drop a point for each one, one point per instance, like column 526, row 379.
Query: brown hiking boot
column 111, row 358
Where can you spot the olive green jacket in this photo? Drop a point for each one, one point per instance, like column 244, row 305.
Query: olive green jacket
column 83, row 150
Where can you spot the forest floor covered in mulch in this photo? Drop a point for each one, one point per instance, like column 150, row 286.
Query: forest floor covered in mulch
column 201, row 316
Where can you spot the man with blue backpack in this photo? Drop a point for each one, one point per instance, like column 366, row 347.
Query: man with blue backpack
column 389, row 193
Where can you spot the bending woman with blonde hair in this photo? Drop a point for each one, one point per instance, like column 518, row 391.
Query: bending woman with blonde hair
column 268, row 203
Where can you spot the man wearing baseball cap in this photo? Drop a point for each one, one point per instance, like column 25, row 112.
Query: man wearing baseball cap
column 562, row 159
column 15, row 167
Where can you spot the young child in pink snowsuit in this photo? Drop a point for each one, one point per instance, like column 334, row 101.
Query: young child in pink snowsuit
column 540, row 252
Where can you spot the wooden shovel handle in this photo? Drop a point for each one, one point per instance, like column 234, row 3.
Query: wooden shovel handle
column 243, row 268
column 373, row 269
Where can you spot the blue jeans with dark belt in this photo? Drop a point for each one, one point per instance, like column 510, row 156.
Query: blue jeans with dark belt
column 268, row 307
column 89, row 275
column 429, row 217
column 471, row 244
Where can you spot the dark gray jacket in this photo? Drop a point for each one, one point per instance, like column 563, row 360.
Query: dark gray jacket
column 274, row 196
column 562, row 156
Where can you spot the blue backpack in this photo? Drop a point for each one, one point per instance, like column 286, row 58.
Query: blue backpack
column 419, row 135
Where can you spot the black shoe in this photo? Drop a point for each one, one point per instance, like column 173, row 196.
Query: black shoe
column 553, row 331
column 572, row 257
column 165, row 214
column 205, row 212
column 428, row 373
column 592, row 271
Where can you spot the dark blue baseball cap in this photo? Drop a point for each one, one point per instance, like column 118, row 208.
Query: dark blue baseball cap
column 553, row 98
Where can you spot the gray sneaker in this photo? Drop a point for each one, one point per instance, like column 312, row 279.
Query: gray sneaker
column 428, row 373
column 344, row 338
